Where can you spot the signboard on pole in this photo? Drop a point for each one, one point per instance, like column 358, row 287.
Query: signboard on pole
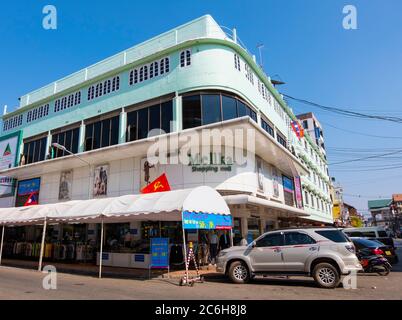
column 9, row 157
column 159, row 253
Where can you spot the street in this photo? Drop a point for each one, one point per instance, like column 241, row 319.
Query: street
column 27, row 284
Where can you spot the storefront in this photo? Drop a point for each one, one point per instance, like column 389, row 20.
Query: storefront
column 117, row 229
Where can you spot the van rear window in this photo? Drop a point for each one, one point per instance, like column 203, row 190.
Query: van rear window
column 382, row 234
column 333, row 235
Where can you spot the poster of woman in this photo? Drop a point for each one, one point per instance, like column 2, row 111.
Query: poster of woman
column 65, row 185
column 100, row 180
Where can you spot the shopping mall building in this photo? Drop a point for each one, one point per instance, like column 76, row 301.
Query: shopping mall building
column 178, row 84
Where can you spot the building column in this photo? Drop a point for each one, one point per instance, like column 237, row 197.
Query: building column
column 122, row 126
column 244, row 227
column 81, row 138
column 177, row 124
column 48, row 145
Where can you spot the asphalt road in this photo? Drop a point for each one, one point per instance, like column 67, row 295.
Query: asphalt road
column 27, row 284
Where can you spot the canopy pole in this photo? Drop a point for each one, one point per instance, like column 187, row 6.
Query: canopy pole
column 101, row 252
column 1, row 245
column 231, row 237
column 42, row 246
column 185, row 247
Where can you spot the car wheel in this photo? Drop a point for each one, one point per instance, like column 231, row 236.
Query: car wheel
column 326, row 275
column 239, row 273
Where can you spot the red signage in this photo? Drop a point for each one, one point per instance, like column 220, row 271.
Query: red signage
column 161, row 184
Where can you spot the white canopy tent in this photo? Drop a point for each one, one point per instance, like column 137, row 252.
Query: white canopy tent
column 162, row 206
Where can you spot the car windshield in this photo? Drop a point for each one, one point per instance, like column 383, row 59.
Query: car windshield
column 333, row 235
column 365, row 243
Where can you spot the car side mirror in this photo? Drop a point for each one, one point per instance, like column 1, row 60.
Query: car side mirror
column 253, row 244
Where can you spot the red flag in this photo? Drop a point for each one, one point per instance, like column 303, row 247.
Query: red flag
column 161, row 184
column 32, row 199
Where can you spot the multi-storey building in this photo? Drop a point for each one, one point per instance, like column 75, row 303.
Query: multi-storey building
column 191, row 78
column 314, row 129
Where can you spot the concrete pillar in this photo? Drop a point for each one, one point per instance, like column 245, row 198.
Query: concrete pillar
column 177, row 114
column 244, row 227
column 48, row 144
column 122, row 126
column 81, row 138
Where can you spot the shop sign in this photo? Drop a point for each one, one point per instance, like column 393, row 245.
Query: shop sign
column 213, row 162
column 159, row 252
column 207, row 221
column 28, row 192
column 9, row 147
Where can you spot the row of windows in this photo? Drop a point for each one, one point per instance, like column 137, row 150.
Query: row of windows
column 185, row 58
column 316, row 202
column 38, row 113
column 156, row 118
column 12, row 123
column 34, row 151
column 67, row 101
column 237, row 62
column 149, row 71
column 203, row 109
column 267, row 127
column 103, row 88
column 249, row 73
column 102, row 133
column 69, row 139
column 281, row 139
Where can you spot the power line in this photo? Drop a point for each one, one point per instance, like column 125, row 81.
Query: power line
column 369, row 157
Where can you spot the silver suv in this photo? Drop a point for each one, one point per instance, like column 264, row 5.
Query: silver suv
column 323, row 253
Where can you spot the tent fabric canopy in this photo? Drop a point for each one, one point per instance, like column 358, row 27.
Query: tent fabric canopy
column 164, row 206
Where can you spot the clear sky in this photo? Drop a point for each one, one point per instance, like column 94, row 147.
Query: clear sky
column 304, row 43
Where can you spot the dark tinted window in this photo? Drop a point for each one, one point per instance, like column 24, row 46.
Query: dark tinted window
column 364, row 243
column 103, row 133
column 268, row 128
column 114, row 131
column 97, row 135
column 369, row 234
column 382, row 234
column 241, row 109
column 271, row 240
column 89, row 136
column 132, row 126
column 354, row 234
column 229, row 108
column 167, row 115
column 191, row 112
column 35, row 150
column 333, row 235
column 155, row 117
column 142, row 123
column 211, row 109
column 294, row 238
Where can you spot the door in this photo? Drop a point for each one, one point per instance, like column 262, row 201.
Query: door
column 267, row 254
column 298, row 248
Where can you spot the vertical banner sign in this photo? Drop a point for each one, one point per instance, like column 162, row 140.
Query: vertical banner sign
column 9, row 148
column 159, row 252
column 298, row 193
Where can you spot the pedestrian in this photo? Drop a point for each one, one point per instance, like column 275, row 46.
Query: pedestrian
column 224, row 241
column 213, row 246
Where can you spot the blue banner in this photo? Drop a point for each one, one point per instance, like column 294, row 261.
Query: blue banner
column 287, row 184
column 26, row 187
column 207, row 221
column 159, row 252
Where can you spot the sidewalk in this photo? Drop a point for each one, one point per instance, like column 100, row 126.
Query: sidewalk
column 112, row 272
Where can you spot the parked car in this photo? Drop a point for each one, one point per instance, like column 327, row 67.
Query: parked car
column 322, row 253
column 374, row 247
column 371, row 233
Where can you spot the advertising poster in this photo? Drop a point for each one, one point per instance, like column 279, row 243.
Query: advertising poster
column 260, row 174
column 159, row 252
column 27, row 191
column 149, row 173
column 100, row 180
column 298, row 193
column 275, row 182
column 65, row 185
column 9, row 147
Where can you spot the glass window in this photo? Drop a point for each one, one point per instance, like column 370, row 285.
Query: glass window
column 241, row 109
column 89, row 136
column 74, row 142
column 142, row 123
column 267, row 128
column 114, row 130
column 131, row 126
column 97, row 135
column 270, row 240
column 333, row 235
column 155, row 117
column 67, row 141
column 229, row 107
column 382, row 234
column 105, row 133
column 211, row 109
column 295, row 238
column 191, row 111
column 167, row 115
column 35, row 150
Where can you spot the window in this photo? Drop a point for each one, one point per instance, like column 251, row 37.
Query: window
column 270, row 240
column 141, row 121
column 103, row 88
column 69, row 139
column 267, row 127
column 210, row 108
column 333, row 235
column 297, row 238
column 102, row 133
column 306, row 196
column 281, row 139
column 35, row 150
column 69, row 101
column 185, row 58
column 37, row 113
column 237, row 62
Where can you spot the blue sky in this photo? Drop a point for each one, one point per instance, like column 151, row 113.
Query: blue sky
column 304, row 43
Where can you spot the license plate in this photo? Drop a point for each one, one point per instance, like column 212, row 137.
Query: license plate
column 388, row 253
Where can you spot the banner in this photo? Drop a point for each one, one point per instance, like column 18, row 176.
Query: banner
column 298, row 193
column 161, row 184
column 100, row 180
column 206, row 221
column 159, row 252
column 9, row 157
column 28, row 192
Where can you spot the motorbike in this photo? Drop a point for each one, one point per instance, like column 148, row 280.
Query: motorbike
column 374, row 264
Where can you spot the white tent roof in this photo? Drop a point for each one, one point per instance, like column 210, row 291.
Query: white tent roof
column 164, row 206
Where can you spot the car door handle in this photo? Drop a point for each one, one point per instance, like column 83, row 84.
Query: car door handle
column 313, row 248
column 277, row 250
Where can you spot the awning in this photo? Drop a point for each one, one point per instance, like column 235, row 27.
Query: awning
column 162, row 206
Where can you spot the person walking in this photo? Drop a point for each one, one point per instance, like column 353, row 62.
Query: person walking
column 213, row 246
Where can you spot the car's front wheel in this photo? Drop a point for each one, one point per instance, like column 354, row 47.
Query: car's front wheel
column 239, row 273
column 326, row 275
